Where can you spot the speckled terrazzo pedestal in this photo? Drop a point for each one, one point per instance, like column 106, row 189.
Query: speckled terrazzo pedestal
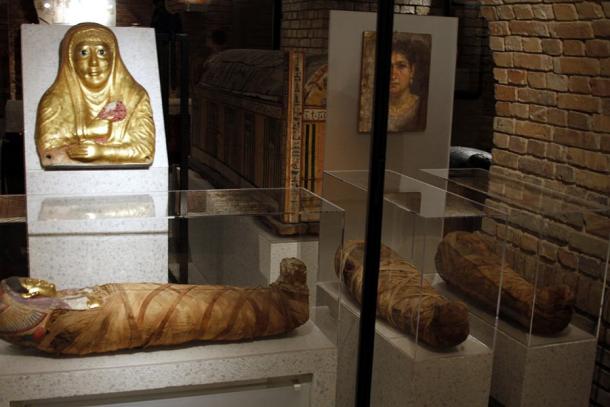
column 555, row 375
column 534, row 371
column 406, row 374
column 28, row 375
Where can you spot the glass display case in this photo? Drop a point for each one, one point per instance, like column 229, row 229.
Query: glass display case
column 556, row 267
column 203, row 265
column 429, row 343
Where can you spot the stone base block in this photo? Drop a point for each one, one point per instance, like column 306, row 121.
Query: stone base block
column 304, row 354
column 405, row 373
column 557, row 375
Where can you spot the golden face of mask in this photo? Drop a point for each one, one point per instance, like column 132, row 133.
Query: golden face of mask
column 37, row 288
column 92, row 62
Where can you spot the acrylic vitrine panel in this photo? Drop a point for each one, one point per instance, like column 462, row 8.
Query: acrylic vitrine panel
column 431, row 245
column 184, row 246
column 556, row 252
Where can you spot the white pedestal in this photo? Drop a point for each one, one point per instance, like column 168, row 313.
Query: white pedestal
column 537, row 371
column 404, row 373
column 557, row 374
column 305, row 354
column 78, row 242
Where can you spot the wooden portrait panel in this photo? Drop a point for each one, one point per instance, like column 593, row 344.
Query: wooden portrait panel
column 408, row 82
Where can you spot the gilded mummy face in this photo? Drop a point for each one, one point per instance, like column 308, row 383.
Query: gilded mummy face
column 92, row 60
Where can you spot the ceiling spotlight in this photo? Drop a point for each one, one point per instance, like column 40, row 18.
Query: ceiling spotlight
column 46, row 5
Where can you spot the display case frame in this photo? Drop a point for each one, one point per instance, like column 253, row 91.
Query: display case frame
column 553, row 240
column 406, row 368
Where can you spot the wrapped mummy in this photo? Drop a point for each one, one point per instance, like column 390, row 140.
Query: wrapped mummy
column 405, row 299
column 110, row 317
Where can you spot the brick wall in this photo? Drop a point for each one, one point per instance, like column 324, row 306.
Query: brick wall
column 552, row 72
column 305, row 22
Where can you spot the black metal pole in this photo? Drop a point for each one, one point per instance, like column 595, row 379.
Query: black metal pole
column 276, row 32
column 185, row 148
column 185, row 140
column 366, row 342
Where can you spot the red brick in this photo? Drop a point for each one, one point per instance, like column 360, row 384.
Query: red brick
column 501, row 140
column 534, row 130
column 601, row 28
column 557, row 82
column 536, row 148
column 606, row 6
column 565, row 12
column 548, row 250
column 605, row 66
column 576, row 30
column 523, row 12
column 529, row 28
column 601, row 123
column 490, row 13
column 532, row 45
column 593, row 180
column 503, row 109
column 513, row 43
column 505, row 158
column 579, row 84
column 587, row 159
column 556, row 152
column 605, row 143
column 508, row 93
column 580, row 121
column 552, row 47
column 581, row 103
column 576, row 138
column 597, row 224
column 501, row 75
column 543, row 11
column 499, row 28
column 567, row 258
column 517, row 145
column 537, row 166
column 539, row 97
column 505, row 12
column 589, row 10
column 598, row 48
column 504, row 125
column 496, row 43
column 536, row 80
column 558, row 117
column 578, row 66
column 538, row 114
column 573, row 48
column 533, row 62
column 564, row 173
column 520, row 110
column 600, row 87
column 517, row 77
column 529, row 243
column 503, row 59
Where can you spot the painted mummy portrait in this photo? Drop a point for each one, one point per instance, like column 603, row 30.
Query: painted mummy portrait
column 94, row 114
column 410, row 72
